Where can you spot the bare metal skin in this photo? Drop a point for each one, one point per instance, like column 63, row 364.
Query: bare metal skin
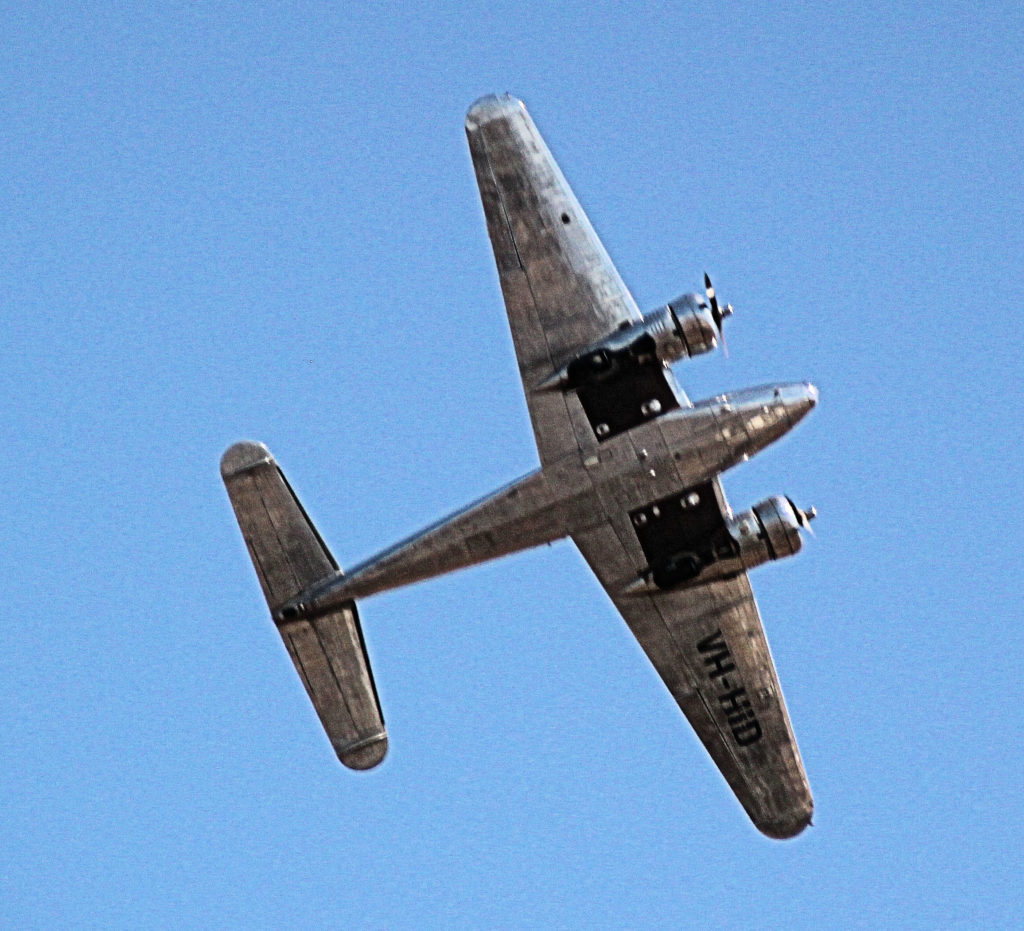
column 629, row 470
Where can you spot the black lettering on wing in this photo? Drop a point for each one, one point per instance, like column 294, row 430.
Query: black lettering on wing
column 739, row 714
column 747, row 734
column 717, row 655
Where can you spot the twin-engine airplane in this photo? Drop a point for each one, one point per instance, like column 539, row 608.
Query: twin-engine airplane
column 629, row 470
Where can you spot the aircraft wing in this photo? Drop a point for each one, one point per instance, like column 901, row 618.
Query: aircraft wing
column 561, row 290
column 708, row 645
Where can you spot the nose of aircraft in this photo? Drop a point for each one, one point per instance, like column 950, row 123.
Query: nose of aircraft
column 799, row 400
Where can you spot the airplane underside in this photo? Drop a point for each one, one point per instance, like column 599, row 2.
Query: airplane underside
column 630, row 471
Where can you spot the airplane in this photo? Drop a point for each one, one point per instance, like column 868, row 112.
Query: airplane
column 630, row 471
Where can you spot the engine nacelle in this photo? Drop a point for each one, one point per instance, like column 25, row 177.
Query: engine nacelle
column 769, row 530
column 682, row 328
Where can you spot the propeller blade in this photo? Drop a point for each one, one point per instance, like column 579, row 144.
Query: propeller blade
column 717, row 313
column 804, row 517
column 709, row 290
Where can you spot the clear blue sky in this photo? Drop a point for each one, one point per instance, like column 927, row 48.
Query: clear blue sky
column 226, row 221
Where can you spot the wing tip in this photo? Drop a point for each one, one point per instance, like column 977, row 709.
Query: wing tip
column 492, row 107
column 364, row 754
column 789, row 824
column 243, row 456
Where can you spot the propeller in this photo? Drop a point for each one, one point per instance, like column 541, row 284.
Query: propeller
column 717, row 313
column 804, row 518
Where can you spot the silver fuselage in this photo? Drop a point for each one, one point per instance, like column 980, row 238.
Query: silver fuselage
column 668, row 454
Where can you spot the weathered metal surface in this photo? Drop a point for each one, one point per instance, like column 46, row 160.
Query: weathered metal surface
column 328, row 650
column 709, row 647
column 561, row 290
column 630, row 470
column 678, row 450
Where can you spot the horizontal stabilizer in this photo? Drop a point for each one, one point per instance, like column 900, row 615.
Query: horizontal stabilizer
column 328, row 650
